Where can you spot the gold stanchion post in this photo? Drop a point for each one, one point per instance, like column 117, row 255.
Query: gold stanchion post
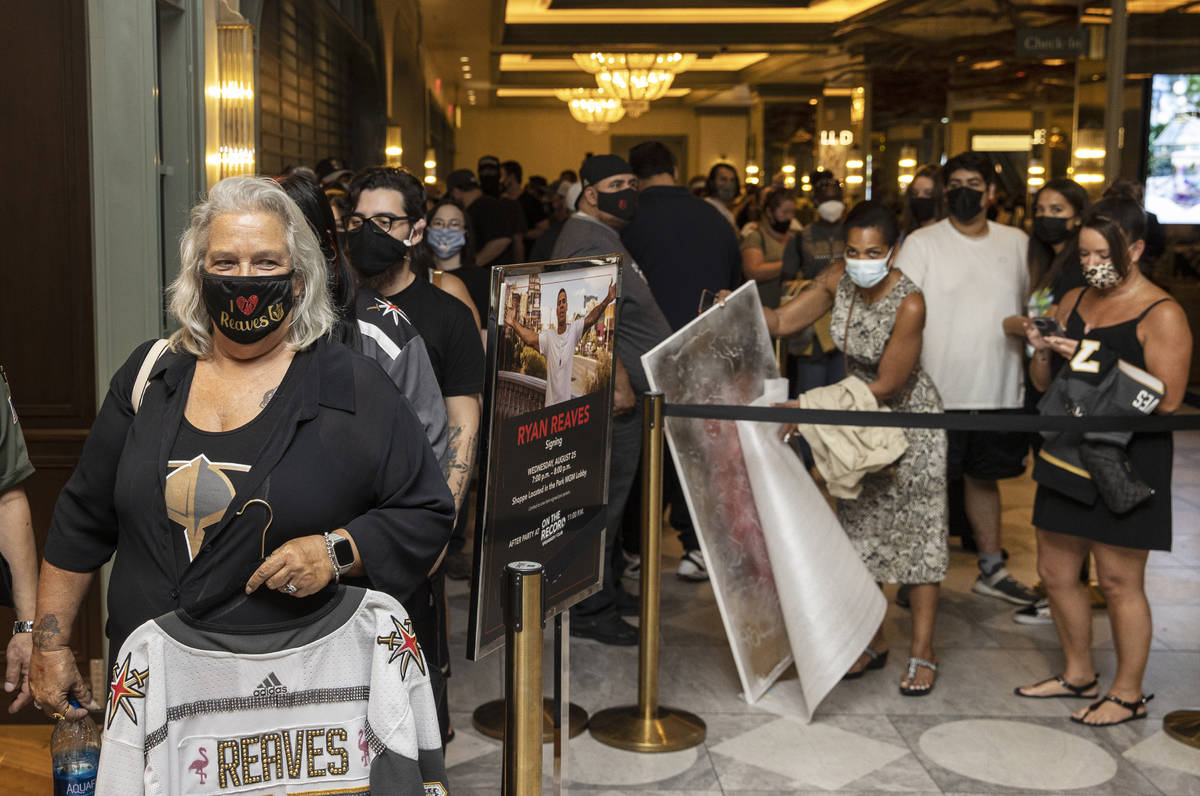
column 647, row 726
column 523, row 679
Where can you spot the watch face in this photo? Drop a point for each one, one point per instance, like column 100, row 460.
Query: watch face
column 343, row 551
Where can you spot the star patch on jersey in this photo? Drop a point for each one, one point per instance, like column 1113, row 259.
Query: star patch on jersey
column 388, row 308
column 402, row 644
column 126, row 685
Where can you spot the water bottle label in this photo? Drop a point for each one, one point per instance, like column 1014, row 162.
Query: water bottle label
column 81, row 782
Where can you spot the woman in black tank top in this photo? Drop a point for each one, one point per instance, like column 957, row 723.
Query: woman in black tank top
column 1120, row 314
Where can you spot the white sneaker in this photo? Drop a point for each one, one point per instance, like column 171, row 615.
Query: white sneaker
column 691, row 567
column 1037, row 613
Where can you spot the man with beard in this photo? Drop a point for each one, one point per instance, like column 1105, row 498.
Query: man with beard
column 973, row 274
column 607, row 203
column 722, row 190
column 384, row 234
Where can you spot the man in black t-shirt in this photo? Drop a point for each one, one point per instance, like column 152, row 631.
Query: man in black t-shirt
column 533, row 213
column 493, row 225
column 384, row 234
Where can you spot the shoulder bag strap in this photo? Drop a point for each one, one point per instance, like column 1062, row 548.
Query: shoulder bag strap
column 143, row 377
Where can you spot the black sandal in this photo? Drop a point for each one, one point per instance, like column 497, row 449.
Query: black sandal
column 876, row 660
column 1132, row 707
column 1076, row 691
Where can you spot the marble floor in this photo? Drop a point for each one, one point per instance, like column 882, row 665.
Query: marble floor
column 971, row 735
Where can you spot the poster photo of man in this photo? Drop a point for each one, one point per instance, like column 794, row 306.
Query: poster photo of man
column 558, row 333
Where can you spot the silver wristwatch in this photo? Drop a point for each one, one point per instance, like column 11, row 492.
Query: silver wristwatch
column 341, row 554
column 22, row 627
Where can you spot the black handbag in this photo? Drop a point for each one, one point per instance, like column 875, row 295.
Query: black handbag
column 1118, row 485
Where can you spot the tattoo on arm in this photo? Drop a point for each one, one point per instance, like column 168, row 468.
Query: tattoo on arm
column 46, row 631
column 267, row 398
column 452, row 435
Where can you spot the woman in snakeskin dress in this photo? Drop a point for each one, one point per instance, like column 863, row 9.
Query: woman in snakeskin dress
column 898, row 522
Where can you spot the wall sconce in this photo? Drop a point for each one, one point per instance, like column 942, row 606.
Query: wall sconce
column 805, row 183
column 907, row 165
column 233, row 151
column 789, row 175
column 394, row 148
column 1036, row 174
column 752, row 173
column 430, row 166
column 854, row 168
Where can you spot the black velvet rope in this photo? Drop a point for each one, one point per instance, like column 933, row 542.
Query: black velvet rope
column 987, row 421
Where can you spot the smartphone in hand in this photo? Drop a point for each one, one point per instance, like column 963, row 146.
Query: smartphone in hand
column 1049, row 326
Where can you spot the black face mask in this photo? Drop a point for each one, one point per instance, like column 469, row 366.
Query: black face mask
column 622, row 204
column 922, row 208
column 1050, row 230
column 781, row 227
column 490, row 183
column 373, row 251
column 964, row 203
column 247, row 308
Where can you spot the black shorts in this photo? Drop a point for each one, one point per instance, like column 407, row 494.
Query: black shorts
column 986, row 455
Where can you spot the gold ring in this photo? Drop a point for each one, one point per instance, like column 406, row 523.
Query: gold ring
column 57, row 716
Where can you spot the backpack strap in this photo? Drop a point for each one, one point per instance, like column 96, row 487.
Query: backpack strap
column 143, row 376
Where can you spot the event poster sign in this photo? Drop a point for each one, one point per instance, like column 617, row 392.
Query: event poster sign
column 546, row 425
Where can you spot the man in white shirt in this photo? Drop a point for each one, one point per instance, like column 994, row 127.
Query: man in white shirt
column 973, row 273
column 558, row 343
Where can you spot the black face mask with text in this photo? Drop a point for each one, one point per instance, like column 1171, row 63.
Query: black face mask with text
column 621, row 204
column 964, row 203
column 247, row 308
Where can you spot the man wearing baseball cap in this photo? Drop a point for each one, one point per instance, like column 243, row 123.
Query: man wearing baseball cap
column 607, row 202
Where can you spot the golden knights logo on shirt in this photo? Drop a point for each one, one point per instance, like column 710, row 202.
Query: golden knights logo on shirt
column 197, row 494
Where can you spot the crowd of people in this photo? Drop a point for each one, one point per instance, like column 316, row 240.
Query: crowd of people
column 248, row 466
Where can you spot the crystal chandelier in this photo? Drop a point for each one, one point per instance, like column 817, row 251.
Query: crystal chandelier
column 592, row 107
column 634, row 78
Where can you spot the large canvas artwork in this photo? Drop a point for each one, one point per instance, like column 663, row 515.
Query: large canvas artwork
column 724, row 357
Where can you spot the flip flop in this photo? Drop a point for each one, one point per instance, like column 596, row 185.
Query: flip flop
column 1074, row 691
column 877, row 660
column 911, row 675
column 1132, row 707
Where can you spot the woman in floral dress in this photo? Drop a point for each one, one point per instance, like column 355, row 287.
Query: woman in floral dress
column 898, row 521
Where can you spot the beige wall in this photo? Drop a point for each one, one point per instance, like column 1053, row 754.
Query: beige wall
column 547, row 140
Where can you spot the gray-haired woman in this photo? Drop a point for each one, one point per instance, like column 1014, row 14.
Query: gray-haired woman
column 252, row 432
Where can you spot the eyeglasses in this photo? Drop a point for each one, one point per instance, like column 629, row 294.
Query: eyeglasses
column 384, row 221
column 441, row 223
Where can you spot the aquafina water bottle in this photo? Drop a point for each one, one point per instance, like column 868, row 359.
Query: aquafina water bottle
column 75, row 755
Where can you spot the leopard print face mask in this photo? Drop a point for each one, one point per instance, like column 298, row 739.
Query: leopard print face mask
column 1101, row 275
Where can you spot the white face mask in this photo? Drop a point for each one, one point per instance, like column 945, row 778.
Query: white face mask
column 831, row 210
column 867, row 273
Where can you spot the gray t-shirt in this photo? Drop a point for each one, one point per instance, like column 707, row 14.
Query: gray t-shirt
column 641, row 324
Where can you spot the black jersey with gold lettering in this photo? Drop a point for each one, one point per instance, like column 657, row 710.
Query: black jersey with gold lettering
column 339, row 703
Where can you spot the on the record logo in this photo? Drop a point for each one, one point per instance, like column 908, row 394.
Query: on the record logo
column 270, row 686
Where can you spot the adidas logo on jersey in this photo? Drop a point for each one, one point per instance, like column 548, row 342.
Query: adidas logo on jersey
column 270, row 686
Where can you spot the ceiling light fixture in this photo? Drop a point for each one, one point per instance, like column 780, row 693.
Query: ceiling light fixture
column 636, row 79
column 592, row 107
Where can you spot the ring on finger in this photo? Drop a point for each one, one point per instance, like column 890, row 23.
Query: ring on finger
column 290, row 588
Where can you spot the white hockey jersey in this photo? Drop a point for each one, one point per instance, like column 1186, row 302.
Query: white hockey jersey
column 339, row 703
